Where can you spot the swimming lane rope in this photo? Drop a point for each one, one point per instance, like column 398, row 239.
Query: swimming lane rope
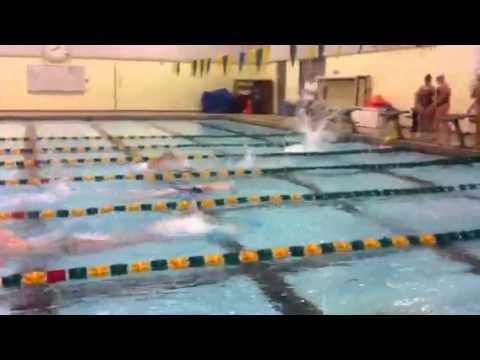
column 97, row 149
column 136, row 137
column 212, row 156
column 236, row 258
column 230, row 201
column 187, row 176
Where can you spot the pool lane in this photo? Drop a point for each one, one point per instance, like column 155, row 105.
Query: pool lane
column 271, row 283
column 324, row 297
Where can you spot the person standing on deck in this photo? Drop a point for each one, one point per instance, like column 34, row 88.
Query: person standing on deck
column 474, row 109
column 442, row 108
column 424, row 108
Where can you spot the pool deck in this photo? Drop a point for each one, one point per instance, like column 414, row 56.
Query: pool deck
column 275, row 121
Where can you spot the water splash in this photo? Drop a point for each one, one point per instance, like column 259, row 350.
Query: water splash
column 194, row 224
column 55, row 192
column 313, row 125
column 248, row 160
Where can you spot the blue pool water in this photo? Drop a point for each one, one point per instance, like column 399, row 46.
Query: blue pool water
column 413, row 281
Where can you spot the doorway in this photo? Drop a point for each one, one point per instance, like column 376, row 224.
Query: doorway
column 310, row 68
column 281, row 84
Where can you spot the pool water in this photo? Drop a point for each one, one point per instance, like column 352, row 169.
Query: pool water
column 394, row 281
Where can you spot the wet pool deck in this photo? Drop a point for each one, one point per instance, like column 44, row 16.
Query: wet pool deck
column 275, row 121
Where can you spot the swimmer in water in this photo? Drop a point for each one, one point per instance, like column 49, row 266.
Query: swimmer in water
column 80, row 244
column 12, row 246
column 166, row 162
column 190, row 190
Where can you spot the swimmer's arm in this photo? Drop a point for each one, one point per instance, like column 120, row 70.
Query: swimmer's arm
column 76, row 246
column 149, row 194
column 215, row 186
column 165, row 192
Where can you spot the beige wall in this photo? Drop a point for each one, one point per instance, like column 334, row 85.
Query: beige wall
column 397, row 74
column 141, row 85
column 293, row 82
column 126, row 52
column 14, row 95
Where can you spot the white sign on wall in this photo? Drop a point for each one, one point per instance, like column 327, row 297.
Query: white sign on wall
column 56, row 78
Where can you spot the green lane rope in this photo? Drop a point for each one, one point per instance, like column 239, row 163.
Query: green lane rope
column 246, row 257
column 136, row 137
column 97, row 149
column 211, row 156
column 205, row 204
column 188, row 175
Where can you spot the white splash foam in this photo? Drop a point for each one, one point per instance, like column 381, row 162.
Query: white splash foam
column 196, row 224
column 92, row 236
column 140, row 168
column 248, row 160
column 182, row 226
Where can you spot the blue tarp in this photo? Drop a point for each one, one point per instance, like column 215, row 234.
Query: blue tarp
column 219, row 101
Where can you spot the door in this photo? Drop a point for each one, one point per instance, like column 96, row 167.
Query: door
column 311, row 68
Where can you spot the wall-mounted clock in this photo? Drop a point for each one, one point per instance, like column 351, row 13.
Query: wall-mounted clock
column 55, row 53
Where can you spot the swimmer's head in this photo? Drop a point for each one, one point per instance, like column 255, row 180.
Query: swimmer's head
column 196, row 190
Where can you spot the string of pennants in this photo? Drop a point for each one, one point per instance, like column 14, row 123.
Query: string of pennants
column 257, row 56
column 261, row 54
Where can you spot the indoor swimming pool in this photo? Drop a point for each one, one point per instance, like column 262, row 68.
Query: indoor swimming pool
column 318, row 233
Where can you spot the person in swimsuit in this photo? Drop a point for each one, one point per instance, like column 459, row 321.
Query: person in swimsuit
column 189, row 190
column 13, row 246
column 163, row 161
column 442, row 108
column 424, row 108
column 474, row 109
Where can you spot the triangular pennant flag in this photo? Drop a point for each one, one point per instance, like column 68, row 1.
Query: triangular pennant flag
column 293, row 54
column 209, row 61
column 202, row 65
column 241, row 61
column 266, row 54
column 312, row 51
column 339, row 50
column 225, row 64
column 176, row 68
column 321, row 48
column 251, row 57
column 194, row 67
column 259, row 58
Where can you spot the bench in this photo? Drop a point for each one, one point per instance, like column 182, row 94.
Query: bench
column 393, row 114
column 454, row 119
column 345, row 115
